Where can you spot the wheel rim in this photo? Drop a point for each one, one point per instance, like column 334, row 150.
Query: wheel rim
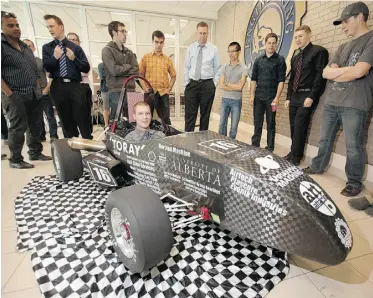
column 122, row 233
column 57, row 166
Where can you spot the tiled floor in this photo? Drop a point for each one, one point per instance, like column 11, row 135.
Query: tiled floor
column 307, row 279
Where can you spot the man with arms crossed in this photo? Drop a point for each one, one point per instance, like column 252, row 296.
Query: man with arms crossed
column 155, row 67
column 201, row 74
column 232, row 79
column 119, row 63
column 348, row 97
column 267, row 82
column 305, row 87
column 143, row 117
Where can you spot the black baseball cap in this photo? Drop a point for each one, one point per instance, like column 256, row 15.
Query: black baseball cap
column 353, row 9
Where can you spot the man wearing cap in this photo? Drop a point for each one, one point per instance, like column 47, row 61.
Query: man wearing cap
column 348, row 97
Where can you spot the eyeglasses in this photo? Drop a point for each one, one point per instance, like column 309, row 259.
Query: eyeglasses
column 8, row 14
column 125, row 32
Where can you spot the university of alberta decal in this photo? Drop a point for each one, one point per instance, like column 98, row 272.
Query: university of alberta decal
column 280, row 17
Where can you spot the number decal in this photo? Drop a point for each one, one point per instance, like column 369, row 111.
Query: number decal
column 221, row 146
column 101, row 174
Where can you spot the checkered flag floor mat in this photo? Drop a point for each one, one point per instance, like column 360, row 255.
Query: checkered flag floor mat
column 72, row 255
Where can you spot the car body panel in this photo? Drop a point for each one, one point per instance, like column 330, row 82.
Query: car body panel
column 248, row 190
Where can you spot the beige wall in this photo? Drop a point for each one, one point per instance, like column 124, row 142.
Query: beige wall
column 231, row 26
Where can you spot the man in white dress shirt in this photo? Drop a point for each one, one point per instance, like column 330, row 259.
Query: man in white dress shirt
column 201, row 73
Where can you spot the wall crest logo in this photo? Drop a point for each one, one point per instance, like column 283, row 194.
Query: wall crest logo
column 280, row 17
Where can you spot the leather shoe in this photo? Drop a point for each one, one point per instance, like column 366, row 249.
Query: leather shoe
column 309, row 171
column 351, row 191
column 269, row 149
column 287, row 157
column 294, row 162
column 21, row 165
column 52, row 139
column 41, row 157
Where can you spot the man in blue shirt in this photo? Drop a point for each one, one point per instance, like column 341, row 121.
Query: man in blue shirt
column 65, row 60
column 201, row 73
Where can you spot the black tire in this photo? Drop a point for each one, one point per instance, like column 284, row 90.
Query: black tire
column 146, row 221
column 67, row 162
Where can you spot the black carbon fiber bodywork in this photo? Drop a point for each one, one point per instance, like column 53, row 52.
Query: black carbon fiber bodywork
column 248, row 190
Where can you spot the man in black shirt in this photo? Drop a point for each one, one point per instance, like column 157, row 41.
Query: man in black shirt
column 305, row 87
column 47, row 101
column 65, row 60
column 21, row 94
column 267, row 82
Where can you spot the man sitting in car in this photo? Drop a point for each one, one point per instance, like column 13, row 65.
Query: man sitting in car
column 142, row 132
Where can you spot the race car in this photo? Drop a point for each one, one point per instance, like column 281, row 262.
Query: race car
column 247, row 190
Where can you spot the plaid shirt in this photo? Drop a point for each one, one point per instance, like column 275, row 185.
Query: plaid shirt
column 156, row 68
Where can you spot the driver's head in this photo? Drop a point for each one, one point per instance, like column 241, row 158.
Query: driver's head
column 142, row 115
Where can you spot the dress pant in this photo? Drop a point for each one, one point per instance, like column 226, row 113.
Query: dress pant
column 48, row 110
column 24, row 117
column 72, row 108
column 161, row 103
column 262, row 107
column 88, row 94
column 198, row 94
column 300, row 118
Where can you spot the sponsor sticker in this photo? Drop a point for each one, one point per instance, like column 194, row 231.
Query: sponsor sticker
column 266, row 164
column 343, row 232
column 314, row 195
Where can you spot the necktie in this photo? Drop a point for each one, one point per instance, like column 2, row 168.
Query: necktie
column 63, row 63
column 298, row 72
column 199, row 63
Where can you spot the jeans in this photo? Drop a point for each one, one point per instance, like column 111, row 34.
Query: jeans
column 352, row 121
column 4, row 126
column 48, row 110
column 262, row 107
column 24, row 117
column 232, row 106
column 113, row 103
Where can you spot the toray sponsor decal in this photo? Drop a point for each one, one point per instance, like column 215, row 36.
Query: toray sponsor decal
column 316, row 198
column 343, row 232
column 127, row 148
column 267, row 163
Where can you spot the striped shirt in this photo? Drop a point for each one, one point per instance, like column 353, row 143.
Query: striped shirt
column 156, row 69
column 18, row 69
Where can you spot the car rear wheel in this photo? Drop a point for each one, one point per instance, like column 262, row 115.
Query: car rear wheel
column 67, row 162
column 139, row 227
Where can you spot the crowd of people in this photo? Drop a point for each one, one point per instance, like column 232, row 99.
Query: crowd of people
column 346, row 82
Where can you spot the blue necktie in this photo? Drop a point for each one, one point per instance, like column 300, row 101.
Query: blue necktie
column 63, row 63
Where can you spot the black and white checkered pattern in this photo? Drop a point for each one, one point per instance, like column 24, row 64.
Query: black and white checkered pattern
column 72, row 254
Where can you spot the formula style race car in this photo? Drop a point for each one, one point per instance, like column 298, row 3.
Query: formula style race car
column 247, row 190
